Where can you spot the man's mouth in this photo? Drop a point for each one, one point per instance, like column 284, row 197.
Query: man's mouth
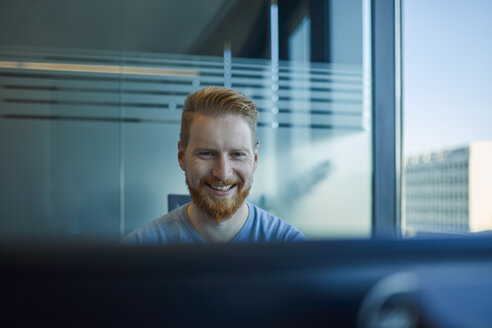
column 221, row 188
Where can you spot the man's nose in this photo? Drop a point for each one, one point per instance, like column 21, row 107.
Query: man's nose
column 222, row 168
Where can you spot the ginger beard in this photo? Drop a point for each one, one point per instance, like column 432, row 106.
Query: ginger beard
column 218, row 208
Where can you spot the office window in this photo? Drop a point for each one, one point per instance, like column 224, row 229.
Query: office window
column 446, row 115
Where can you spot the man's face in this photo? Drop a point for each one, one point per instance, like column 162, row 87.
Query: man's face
column 219, row 162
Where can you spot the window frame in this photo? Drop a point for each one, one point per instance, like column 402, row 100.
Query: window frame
column 386, row 118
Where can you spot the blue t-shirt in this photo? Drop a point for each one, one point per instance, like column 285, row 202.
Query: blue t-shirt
column 175, row 227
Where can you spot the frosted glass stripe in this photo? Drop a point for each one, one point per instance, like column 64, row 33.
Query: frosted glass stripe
column 151, row 85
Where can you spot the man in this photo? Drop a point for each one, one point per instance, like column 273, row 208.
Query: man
column 218, row 152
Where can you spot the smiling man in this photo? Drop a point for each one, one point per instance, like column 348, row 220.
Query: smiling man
column 218, row 151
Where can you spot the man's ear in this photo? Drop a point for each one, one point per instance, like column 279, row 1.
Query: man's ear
column 256, row 156
column 181, row 155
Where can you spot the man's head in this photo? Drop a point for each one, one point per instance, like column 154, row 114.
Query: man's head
column 214, row 102
column 218, row 149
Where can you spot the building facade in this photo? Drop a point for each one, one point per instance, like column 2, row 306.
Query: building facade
column 449, row 191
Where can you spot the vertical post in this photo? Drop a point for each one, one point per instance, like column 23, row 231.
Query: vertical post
column 227, row 65
column 274, row 37
column 385, row 121
column 274, row 56
column 400, row 172
column 366, row 66
column 121, row 129
column 320, row 29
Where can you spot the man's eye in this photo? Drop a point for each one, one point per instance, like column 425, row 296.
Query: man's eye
column 238, row 155
column 205, row 154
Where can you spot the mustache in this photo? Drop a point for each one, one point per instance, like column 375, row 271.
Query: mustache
column 217, row 182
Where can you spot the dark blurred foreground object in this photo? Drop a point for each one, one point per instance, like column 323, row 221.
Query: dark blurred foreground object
column 443, row 295
column 407, row 283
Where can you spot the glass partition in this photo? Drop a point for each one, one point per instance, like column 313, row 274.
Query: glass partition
column 91, row 104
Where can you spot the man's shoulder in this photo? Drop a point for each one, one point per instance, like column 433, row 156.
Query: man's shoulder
column 269, row 227
column 161, row 230
column 265, row 217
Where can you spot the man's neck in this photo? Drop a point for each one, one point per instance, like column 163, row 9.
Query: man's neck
column 211, row 230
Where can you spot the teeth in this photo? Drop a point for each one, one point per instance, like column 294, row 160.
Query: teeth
column 222, row 188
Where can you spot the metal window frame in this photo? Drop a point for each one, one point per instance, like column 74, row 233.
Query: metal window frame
column 386, row 122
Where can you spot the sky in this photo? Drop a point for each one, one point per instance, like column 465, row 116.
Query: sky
column 447, row 73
